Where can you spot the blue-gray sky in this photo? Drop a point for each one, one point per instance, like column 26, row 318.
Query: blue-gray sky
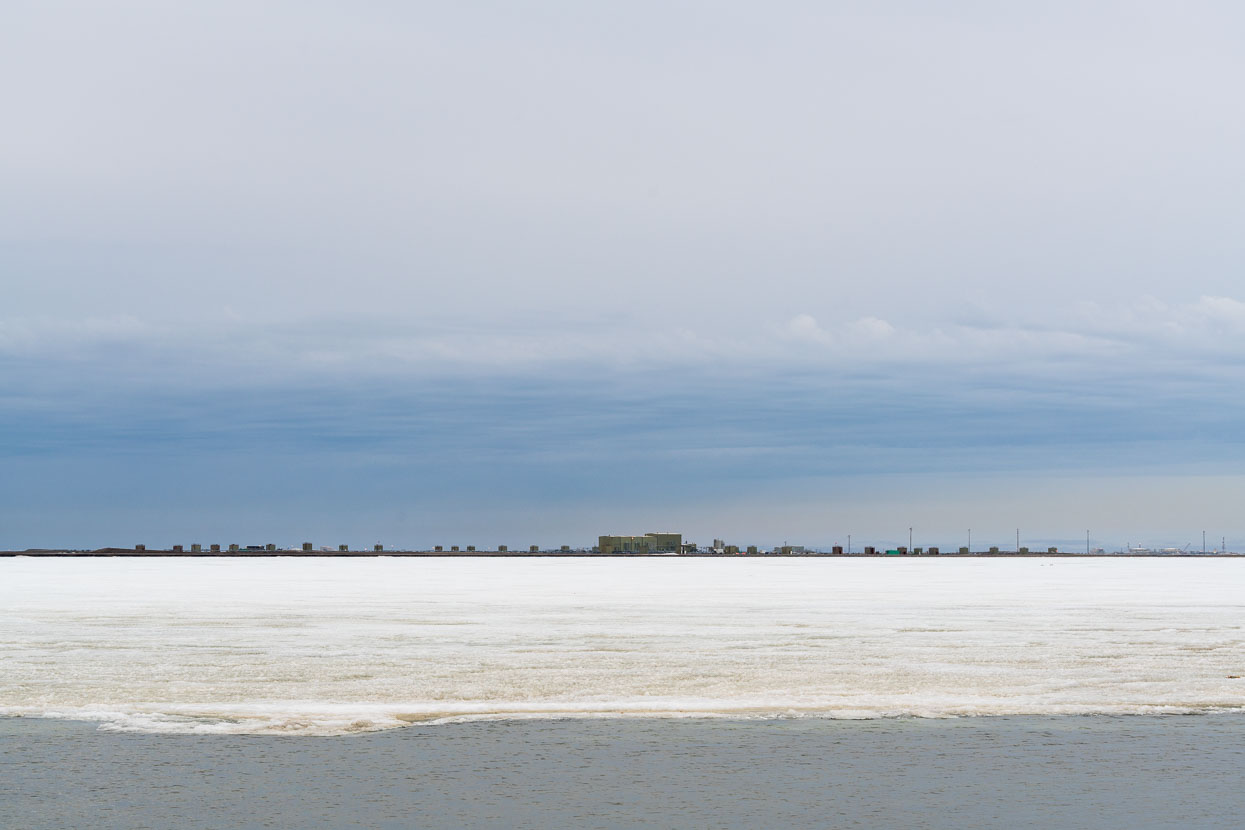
column 507, row 273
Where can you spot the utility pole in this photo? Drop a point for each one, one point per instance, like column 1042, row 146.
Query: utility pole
column 909, row 540
column 1087, row 542
column 970, row 540
column 1017, row 540
column 1203, row 541
column 849, row 543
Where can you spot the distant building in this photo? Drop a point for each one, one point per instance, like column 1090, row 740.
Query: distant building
column 648, row 543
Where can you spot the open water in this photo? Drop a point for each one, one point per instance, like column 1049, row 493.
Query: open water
column 1124, row 773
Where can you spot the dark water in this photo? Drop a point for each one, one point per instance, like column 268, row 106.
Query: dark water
column 1073, row 772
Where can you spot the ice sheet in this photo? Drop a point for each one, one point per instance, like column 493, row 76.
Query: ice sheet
column 329, row 646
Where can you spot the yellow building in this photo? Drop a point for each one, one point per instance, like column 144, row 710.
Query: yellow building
column 648, row 543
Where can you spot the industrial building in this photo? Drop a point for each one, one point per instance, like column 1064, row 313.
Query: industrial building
column 648, row 543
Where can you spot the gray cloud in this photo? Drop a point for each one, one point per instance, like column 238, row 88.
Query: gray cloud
column 669, row 160
column 738, row 252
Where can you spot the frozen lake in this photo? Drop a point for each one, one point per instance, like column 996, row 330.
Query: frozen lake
column 327, row 646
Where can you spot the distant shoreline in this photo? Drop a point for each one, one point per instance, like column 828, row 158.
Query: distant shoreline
column 580, row 554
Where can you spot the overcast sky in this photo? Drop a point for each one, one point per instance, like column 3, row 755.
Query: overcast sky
column 488, row 273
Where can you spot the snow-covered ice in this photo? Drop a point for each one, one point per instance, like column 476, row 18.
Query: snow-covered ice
column 327, row 646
